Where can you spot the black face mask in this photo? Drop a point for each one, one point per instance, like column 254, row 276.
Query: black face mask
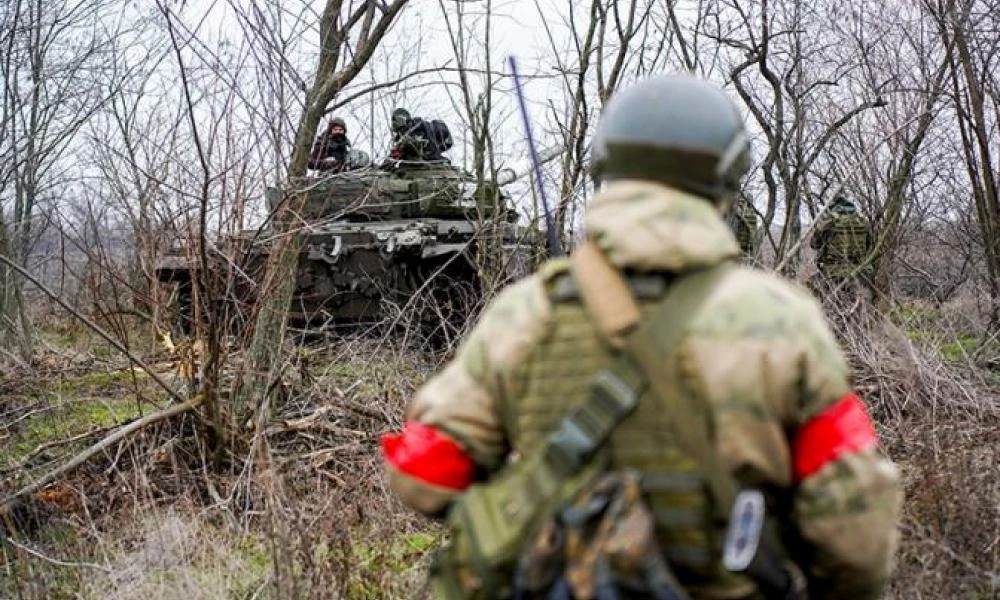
column 340, row 138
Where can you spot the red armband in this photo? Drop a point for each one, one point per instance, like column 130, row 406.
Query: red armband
column 842, row 428
column 424, row 453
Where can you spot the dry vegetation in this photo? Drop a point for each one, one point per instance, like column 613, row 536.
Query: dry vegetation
column 302, row 510
column 240, row 460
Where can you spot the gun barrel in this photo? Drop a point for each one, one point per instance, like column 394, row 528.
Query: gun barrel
column 506, row 176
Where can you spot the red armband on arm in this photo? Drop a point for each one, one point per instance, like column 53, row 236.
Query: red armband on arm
column 424, row 453
column 843, row 428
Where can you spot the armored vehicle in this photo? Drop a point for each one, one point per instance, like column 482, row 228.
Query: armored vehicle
column 402, row 243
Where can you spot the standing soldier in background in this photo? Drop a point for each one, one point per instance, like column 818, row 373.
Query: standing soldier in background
column 742, row 219
column 645, row 419
column 843, row 242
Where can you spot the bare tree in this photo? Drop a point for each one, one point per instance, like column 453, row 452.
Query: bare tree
column 969, row 28
column 349, row 33
column 787, row 76
column 878, row 155
column 613, row 43
column 52, row 50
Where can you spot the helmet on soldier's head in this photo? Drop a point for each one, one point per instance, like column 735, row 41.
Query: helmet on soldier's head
column 678, row 130
column 400, row 119
column 357, row 159
column 843, row 206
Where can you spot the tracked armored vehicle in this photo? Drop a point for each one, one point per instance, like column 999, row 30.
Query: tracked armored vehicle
column 412, row 243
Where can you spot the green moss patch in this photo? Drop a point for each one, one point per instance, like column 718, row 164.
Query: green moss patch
column 66, row 418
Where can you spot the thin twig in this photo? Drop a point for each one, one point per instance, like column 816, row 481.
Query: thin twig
column 56, row 561
column 94, row 326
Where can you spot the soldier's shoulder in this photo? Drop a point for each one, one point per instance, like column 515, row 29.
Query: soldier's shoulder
column 528, row 295
column 758, row 302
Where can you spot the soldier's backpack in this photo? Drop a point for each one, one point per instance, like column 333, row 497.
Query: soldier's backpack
column 441, row 135
column 848, row 240
column 559, row 510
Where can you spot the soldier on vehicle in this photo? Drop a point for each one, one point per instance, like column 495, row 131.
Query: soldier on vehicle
column 742, row 219
column 843, row 242
column 646, row 419
column 416, row 139
column 331, row 149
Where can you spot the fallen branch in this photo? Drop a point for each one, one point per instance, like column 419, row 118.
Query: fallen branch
column 100, row 446
column 52, row 444
column 363, row 410
column 313, row 422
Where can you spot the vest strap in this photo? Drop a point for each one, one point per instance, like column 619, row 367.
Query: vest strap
column 605, row 294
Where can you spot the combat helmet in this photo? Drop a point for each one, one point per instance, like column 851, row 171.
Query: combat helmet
column 842, row 206
column 337, row 121
column 400, row 119
column 674, row 129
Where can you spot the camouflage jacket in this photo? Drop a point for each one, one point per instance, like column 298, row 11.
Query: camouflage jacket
column 742, row 220
column 842, row 239
column 767, row 383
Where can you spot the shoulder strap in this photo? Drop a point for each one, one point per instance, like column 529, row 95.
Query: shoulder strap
column 649, row 361
column 646, row 361
column 605, row 293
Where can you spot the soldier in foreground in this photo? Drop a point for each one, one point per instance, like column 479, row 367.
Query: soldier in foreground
column 646, row 419
column 843, row 242
column 330, row 151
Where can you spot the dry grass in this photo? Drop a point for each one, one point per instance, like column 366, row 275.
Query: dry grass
column 939, row 419
column 302, row 509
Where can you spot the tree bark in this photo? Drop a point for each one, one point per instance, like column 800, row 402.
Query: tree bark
column 278, row 286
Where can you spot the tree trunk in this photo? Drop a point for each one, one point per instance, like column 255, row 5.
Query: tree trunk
column 13, row 316
column 276, row 291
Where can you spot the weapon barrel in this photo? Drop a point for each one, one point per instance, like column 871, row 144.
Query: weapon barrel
column 547, row 155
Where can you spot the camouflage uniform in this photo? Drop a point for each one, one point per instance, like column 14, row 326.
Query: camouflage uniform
column 843, row 241
column 742, row 220
column 759, row 353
